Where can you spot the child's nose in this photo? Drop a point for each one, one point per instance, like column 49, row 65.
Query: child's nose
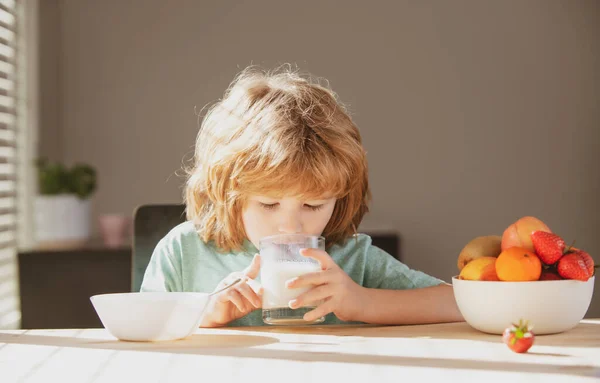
column 290, row 225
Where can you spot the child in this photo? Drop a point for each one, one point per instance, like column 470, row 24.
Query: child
column 279, row 154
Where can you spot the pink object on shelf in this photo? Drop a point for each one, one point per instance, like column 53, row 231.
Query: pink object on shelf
column 115, row 229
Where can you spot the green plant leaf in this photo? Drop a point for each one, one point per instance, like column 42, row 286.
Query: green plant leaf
column 82, row 180
column 52, row 178
column 55, row 178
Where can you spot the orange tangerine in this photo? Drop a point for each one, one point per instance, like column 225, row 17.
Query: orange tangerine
column 518, row 264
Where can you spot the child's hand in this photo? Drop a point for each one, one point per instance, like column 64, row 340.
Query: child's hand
column 237, row 301
column 341, row 295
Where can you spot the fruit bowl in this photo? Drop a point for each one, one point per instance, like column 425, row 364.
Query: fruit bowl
column 150, row 316
column 551, row 306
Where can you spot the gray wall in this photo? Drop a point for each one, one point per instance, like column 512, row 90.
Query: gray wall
column 474, row 113
column 50, row 140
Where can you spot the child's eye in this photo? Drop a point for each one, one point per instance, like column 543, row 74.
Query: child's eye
column 269, row 206
column 314, row 207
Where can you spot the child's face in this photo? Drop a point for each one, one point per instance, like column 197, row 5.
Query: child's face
column 264, row 216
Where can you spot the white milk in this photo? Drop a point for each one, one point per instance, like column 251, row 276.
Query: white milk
column 274, row 275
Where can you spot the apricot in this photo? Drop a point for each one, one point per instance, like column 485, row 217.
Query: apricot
column 480, row 269
column 518, row 234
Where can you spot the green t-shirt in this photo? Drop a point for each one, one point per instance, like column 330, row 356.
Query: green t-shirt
column 181, row 261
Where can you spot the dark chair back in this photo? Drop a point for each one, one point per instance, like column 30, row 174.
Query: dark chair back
column 150, row 224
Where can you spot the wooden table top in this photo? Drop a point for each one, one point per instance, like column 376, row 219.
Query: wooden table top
column 449, row 352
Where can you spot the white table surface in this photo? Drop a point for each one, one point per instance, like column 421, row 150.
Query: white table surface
column 442, row 352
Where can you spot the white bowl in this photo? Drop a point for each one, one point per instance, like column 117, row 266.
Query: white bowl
column 150, row 316
column 550, row 306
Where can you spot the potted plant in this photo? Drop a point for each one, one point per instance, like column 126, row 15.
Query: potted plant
column 62, row 206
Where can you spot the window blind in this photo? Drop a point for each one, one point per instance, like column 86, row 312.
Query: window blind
column 9, row 297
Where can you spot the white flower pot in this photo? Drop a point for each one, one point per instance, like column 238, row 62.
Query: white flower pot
column 62, row 220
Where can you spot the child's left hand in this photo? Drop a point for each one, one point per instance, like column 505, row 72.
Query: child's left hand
column 339, row 293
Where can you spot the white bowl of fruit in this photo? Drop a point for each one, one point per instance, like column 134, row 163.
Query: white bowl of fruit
column 528, row 274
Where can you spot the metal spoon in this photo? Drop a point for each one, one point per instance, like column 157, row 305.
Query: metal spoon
column 226, row 287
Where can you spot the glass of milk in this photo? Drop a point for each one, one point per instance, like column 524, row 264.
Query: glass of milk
column 281, row 261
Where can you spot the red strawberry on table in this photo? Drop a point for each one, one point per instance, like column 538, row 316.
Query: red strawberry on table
column 577, row 265
column 519, row 337
column 549, row 247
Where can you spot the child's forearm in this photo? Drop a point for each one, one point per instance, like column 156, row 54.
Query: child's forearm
column 416, row 306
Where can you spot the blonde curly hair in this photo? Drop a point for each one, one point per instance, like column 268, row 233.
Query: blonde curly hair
column 277, row 134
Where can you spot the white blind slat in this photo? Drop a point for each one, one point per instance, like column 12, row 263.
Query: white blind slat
column 7, row 101
column 7, row 152
column 7, row 288
column 7, row 18
column 7, row 51
column 7, row 186
column 6, row 170
column 8, row 304
column 7, row 136
column 7, row 118
column 7, row 238
column 7, row 271
column 7, row 203
column 7, row 34
column 10, row 4
column 7, row 219
column 7, row 68
column 7, row 85
column 10, row 319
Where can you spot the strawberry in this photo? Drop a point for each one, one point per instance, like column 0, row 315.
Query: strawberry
column 577, row 265
column 548, row 246
column 550, row 275
column 519, row 337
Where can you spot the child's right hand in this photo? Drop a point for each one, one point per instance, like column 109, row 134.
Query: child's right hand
column 237, row 301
